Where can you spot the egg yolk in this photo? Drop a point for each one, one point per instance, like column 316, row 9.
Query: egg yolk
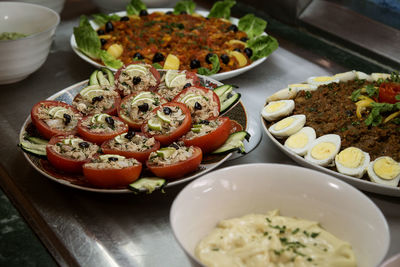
column 300, row 86
column 322, row 150
column 274, row 106
column 283, row 123
column 322, row 79
column 298, row 140
column 351, row 157
column 386, row 168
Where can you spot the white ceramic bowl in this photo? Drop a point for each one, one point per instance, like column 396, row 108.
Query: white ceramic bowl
column 296, row 192
column 21, row 57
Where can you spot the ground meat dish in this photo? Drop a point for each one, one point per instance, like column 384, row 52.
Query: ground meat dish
column 329, row 110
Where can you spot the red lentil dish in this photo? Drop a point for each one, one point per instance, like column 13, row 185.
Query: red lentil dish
column 351, row 123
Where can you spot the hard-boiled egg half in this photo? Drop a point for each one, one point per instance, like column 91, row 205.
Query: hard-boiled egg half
column 384, row 170
column 321, row 80
column 363, row 76
column 352, row 161
column 288, row 126
column 301, row 141
column 285, row 93
column 376, row 76
column 302, row 86
column 277, row 109
column 323, row 150
column 346, row 76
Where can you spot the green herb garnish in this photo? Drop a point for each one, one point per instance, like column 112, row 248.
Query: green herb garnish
column 187, row 6
column 371, row 90
column 355, row 95
column 221, row 9
column 134, row 7
column 215, row 67
column 308, row 95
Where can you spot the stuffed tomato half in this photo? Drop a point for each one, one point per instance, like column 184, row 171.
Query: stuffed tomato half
column 55, row 118
column 174, row 82
column 174, row 161
column 131, row 145
column 168, row 123
column 208, row 134
column 101, row 127
column 112, row 171
column 68, row 152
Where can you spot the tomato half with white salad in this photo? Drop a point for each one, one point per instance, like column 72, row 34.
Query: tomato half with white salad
column 112, row 171
column 54, row 118
column 208, row 134
column 136, row 108
column 203, row 103
column 175, row 82
column 174, row 161
column 168, row 123
column 101, row 127
column 131, row 145
column 136, row 77
column 97, row 98
column 69, row 152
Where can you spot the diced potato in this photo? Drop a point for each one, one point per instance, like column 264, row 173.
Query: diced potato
column 115, row 50
column 242, row 60
column 172, row 62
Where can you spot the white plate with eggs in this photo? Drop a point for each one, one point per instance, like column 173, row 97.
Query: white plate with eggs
column 324, row 153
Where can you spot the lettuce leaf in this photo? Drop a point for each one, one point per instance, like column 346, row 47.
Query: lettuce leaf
column 222, row 9
column 252, row 25
column 262, row 46
column 215, row 67
column 87, row 39
column 109, row 60
column 187, row 6
column 134, row 7
column 101, row 19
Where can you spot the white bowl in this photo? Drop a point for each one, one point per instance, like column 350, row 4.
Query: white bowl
column 21, row 57
column 296, row 192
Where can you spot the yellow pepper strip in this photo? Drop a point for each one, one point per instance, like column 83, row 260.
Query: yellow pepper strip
column 362, row 105
column 105, row 37
column 391, row 116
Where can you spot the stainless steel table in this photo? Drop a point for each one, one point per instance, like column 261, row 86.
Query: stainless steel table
column 90, row 229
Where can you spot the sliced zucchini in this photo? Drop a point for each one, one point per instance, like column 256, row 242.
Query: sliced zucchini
column 37, row 140
column 102, row 76
column 234, row 143
column 230, row 102
column 227, row 97
column 147, row 184
column 34, row 148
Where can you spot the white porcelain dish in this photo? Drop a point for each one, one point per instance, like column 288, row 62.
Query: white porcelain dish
column 359, row 183
column 296, row 192
column 21, row 57
column 218, row 76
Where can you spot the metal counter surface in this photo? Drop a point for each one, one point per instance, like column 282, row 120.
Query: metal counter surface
column 91, row 229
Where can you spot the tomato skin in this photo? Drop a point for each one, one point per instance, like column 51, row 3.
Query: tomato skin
column 180, row 169
column 139, row 156
column 235, row 127
column 205, row 90
column 59, row 161
column 194, row 77
column 181, row 130
column 99, row 138
column 131, row 123
column 388, row 92
column 152, row 70
column 42, row 127
column 110, row 177
column 212, row 140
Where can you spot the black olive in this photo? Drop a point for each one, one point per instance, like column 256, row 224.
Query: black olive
column 137, row 55
column 136, row 80
column 349, row 113
column 194, row 64
column 167, row 110
column 197, row 106
column 158, row 57
column 169, row 13
column 143, row 107
column 109, row 26
column 110, row 121
column 233, row 27
column 124, row 18
column 112, row 159
column 83, row 144
column 183, row 13
column 97, row 99
column 209, row 55
column 174, row 145
column 225, row 59
column 67, row 118
column 143, row 12
column 237, row 49
column 103, row 41
column 100, row 32
column 206, row 122
column 244, row 39
column 187, row 85
column 129, row 135
column 248, row 52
